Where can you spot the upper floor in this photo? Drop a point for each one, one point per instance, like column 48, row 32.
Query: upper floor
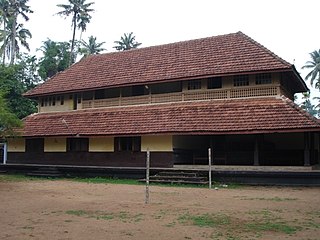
column 228, row 66
column 199, row 89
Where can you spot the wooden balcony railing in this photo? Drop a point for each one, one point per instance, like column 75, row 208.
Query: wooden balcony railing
column 211, row 94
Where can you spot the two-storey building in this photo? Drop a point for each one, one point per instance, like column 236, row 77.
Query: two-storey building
column 226, row 92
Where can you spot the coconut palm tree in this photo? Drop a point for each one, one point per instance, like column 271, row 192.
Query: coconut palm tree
column 307, row 104
column 314, row 65
column 4, row 14
column 79, row 10
column 17, row 8
column 21, row 35
column 90, row 47
column 127, row 42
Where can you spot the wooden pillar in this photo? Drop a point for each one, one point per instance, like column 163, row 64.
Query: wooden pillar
column 312, row 148
column 306, row 149
column 256, row 151
column 319, row 148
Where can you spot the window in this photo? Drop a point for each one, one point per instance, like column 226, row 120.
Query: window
column 128, row 144
column 79, row 98
column 42, row 102
column 77, row 144
column 263, row 78
column 194, row 84
column 166, row 87
column 215, row 82
column 87, row 95
column 62, row 100
column 99, row 94
column 138, row 90
column 112, row 92
column 241, row 80
column 35, row 145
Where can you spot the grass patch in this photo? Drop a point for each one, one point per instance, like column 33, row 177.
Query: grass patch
column 106, row 216
column 204, row 220
column 98, row 180
column 76, row 212
column 266, row 220
column 99, row 215
column 272, row 226
column 274, row 199
column 17, row 178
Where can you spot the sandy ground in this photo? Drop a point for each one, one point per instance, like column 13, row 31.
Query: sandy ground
column 47, row 209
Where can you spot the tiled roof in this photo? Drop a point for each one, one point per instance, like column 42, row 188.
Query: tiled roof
column 213, row 56
column 242, row 116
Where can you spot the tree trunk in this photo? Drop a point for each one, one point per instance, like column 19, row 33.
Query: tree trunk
column 13, row 40
column 73, row 37
column 4, row 42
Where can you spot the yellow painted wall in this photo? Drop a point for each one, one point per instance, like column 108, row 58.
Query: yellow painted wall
column 156, row 143
column 16, row 145
column 101, row 144
column 55, row 145
column 67, row 106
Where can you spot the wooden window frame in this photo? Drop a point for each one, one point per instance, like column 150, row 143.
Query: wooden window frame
column 34, row 145
column 128, row 144
column 241, row 81
column 77, row 144
column 194, row 84
column 263, row 78
column 214, row 83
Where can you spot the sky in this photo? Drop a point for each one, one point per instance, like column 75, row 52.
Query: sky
column 289, row 28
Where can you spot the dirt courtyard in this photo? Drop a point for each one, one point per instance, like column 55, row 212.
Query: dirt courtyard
column 63, row 209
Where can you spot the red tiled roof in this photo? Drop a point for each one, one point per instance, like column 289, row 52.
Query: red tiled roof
column 213, row 56
column 243, row 116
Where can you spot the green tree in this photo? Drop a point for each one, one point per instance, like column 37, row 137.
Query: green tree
column 29, row 66
column 4, row 14
column 8, row 121
column 314, row 65
column 21, row 36
column 17, row 8
column 12, row 83
column 307, row 104
column 55, row 58
column 127, row 42
column 90, row 47
column 80, row 12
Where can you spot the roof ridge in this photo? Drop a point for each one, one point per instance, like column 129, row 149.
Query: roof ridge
column 300, row 109
column 264, row 48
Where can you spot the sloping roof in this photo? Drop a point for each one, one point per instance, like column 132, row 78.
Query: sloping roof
column 213, row 56
column 243, row 116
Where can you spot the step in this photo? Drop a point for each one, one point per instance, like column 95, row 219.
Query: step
column 175, row 182
column 3, row 171
column 177, row 174
column 46, row 171
column 183, row 178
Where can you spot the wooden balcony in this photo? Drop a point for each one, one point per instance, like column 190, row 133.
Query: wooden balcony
column 197, row 95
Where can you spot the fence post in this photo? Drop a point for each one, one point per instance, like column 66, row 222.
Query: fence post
column 210, row 180
column 147, row 176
